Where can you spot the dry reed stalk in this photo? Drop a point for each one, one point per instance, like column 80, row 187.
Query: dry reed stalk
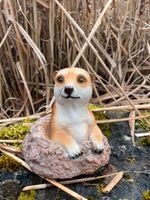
column 4, row 122
column 67, row 190
column 122, row 119
column 17, row 119
column 148, row 48
column 113, row 182
column 11, row 141
column 68, row 182
column 92, row 33
column 133, row 91
column 121, row 46
column 74, row 181
column 91, row 69
column 116, row 108
column 132, row 126
column 10, row 149
column 50, row 49
column 127, row 61
column 137, row 101
column 33, row 45
column 53, row 182
column 43, row 3
column 142, row 134
column 25, row 84
column 88, row 43
column 83, row 34
column 4, row 38
column 101, row 48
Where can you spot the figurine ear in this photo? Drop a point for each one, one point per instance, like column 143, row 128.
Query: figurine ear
column 54, row 74
column 92, row 77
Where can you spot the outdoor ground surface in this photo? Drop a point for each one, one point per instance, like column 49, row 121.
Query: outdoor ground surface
column 123, row 157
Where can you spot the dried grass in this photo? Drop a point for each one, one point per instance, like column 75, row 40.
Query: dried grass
column 111, row 39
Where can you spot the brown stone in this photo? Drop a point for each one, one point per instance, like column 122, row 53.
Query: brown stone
column 49, row 160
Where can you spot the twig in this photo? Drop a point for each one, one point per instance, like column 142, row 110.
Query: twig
column 135, row 101
column 67, row 190
column 90, row 67
column 43, row 3
column 92, row 33
column 132, row 125
column 68, row 182
column 11, row 141
column 10, row 149
column 6, row 34
column 113, row 182
column 17, row 119
column 128, row 107
column 81, row 180
column 142, row 134
column 122, row 119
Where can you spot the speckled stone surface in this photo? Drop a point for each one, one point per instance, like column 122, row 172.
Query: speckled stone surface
column 48, row 159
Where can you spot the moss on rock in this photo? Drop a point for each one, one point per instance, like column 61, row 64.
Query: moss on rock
column 145, row 141
column 29, row 195
column 8, row 164
column 127, row 176
column 141, row 123
column 146, row 195
column 12, row 132
column 105, row 128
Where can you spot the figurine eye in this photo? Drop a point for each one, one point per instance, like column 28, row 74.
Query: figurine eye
column 81, row 79
column 60, row 79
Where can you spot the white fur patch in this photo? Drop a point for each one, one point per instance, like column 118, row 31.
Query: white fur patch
column 73, row 150
column 98, row 146
column 74, row 120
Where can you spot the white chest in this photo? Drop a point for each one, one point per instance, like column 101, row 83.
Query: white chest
column 75, row 121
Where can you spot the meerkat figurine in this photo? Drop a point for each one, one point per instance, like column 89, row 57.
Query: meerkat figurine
column 72, row 122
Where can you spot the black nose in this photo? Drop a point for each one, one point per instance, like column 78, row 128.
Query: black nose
column 68, row 90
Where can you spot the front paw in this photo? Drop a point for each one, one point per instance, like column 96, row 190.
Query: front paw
column 74, row 151
column 76, row 156
column 98, row 147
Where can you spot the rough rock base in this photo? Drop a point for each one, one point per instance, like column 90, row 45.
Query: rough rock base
column 48, row 159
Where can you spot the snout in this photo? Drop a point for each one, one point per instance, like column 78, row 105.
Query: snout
column 68, row 90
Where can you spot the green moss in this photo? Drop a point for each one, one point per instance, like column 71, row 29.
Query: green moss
column 12, row 132
column 90, row 197
column 8, row 164
column 131, row 160
column 105, row 128
column 145, row 141
column 100, row 115
column 146, row 195
column 127, row 176
column 29, row 120
column 99, row 188
column 142, row 123
column 29, row 195
column 94, row 106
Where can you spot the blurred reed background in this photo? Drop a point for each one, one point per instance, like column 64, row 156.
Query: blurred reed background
column 38, row 37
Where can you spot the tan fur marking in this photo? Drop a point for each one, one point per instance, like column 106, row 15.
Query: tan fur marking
column 56, row 134
column 96, row 134
column 71, row 77
column 63, row 138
